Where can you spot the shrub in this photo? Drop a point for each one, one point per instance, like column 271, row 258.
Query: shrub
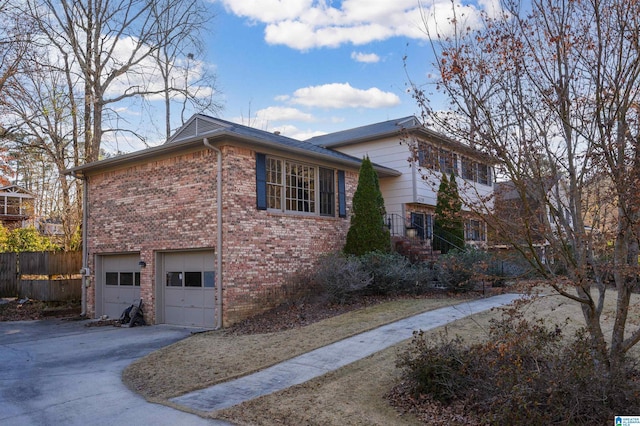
column 461, row 271
column 526, row 373
column 391, row 273
column 367, row 232
column 341, row 277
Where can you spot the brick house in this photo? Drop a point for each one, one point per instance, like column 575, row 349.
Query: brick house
column 209, row 226
column 421, row 156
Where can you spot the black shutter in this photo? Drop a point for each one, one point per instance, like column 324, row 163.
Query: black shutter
column 261, row 181
column 342, row 198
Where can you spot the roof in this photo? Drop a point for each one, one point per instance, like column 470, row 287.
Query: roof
column 391, row 128
column 368, row 132
column 15, row 191
column 200, row 127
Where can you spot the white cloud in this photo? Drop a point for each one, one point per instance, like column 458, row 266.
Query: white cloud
column 307, row 24
column 275, row 113
column 268, row 10
column 342, row 95
column 369, row 58
column 307, row 134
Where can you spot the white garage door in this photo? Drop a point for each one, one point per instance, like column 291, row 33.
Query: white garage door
column 120, row 283
column 189, row 288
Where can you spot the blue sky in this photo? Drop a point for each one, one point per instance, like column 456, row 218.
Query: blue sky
column 308, row 67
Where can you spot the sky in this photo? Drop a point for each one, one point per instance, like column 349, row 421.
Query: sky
column 310, row 67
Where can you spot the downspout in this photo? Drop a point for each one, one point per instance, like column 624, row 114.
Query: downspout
column 85, row 267
column 218, row 231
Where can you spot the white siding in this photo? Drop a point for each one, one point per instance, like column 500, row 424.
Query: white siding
column 396, row 191
column 413, row 186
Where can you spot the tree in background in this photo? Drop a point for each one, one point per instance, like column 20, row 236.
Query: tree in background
column 448, row 229
column 367, row 232
column 551, row 89
column 25, row 240
column 70, row 71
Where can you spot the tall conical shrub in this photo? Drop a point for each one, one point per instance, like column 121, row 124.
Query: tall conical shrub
column 367, row 232
column 448, row 228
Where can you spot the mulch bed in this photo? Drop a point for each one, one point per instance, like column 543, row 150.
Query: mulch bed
column 13, row 309
column 300, row 314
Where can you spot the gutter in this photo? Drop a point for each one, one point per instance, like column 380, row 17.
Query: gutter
column 218, row 231
column 85, row 267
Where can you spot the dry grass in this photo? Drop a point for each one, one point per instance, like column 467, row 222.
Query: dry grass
column 352, row 395
column 213, row 357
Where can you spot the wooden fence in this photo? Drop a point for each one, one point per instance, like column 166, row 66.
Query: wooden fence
column 44, row 276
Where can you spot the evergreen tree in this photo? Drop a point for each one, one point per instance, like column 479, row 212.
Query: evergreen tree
column 448, row 229
column 367, row 232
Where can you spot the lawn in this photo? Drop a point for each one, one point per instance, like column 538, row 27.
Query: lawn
column 354, row 394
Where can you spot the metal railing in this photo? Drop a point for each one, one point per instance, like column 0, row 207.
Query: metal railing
column 444, row 241
column 399, row 226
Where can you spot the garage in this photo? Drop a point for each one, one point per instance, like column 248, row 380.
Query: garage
column 188, row 287
column 119, row 283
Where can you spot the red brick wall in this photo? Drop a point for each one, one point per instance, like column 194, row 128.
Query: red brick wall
column 169, row 204
column 261, row 248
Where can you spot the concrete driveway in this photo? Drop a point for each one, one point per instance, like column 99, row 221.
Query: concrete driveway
column 58, row 372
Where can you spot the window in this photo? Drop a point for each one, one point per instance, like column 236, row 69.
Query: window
column 476, row 172
column 174, row 279
column 468, row 169
column 209, row 279
column 291, row 186
column 128, row 279
column 427, row 156
column 191, row 279
column 327, row 192
column 448, row 162
column 483, row 174
column 439, row 159
column 300, row 188
column 475, row 230
column 297, row 187
column 274, row 183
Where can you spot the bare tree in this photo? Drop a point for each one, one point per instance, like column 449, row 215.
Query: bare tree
column 113, row 44
column 551, row 90
column 69, row 74
column 184, row 77
column 43, row 108
column 15, row 30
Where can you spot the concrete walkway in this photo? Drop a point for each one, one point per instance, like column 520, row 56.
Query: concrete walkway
column 323, row 360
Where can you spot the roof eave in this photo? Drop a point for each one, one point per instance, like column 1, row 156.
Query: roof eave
column 213, row 136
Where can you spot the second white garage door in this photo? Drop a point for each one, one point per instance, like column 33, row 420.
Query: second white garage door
column 189, row 288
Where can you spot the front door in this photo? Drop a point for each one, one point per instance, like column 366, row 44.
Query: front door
column 417, row 222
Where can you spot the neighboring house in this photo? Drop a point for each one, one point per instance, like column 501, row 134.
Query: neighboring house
column 209, row 227
column 529, row 212
column 16, row 207
column 422, row 156
column 50, row 227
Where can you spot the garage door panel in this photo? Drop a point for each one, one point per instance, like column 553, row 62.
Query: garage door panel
column 193, row 316
column 193, row 298
column 174, row 296
column 174, row 314
column 209, row 316
column 120, row 272
column 191, row 290
column 115, row 309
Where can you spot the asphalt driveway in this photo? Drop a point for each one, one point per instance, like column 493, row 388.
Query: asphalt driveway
column 58, row 372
